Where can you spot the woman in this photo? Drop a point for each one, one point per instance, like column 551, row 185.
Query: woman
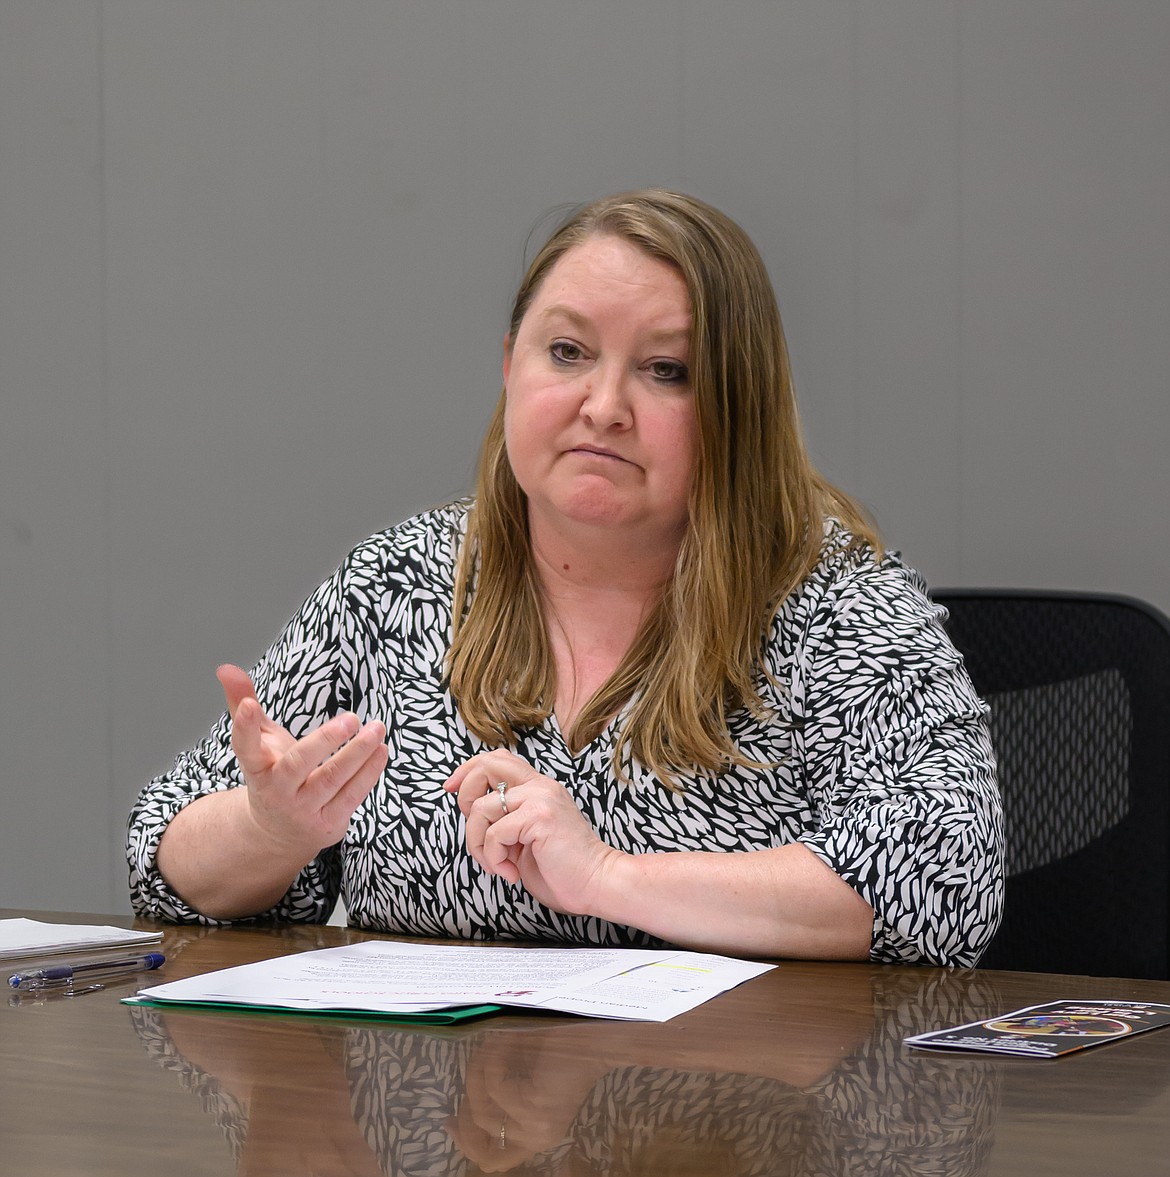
column 676, row 689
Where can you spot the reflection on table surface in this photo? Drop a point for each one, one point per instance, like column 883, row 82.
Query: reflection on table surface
column 569, row 1097
column 803, row 1071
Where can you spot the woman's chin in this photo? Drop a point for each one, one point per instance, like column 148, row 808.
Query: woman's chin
column 596, row 504
column 598, row 508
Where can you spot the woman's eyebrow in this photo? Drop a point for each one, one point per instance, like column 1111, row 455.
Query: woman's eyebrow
column 556, row 310
column 560, row 311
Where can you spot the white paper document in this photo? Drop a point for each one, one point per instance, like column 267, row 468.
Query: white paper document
column 22, row 939
column 389, row 977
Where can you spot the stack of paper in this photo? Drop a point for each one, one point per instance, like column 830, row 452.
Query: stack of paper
column 410, row 979
column 26, row 940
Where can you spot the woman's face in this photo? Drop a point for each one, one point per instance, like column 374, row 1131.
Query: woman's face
column 600, row 416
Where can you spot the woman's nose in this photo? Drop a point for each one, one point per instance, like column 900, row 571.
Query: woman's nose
column 606, row 402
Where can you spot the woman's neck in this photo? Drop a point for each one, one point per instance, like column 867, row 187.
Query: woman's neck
column 595, row 600
column 593, row 562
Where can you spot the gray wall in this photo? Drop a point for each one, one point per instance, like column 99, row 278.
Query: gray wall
column 255, row 258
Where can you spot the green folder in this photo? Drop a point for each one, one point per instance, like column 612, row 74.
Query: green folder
column 433, row 1017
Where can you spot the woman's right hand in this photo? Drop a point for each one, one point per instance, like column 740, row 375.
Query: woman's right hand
column 301, row 793
column 233, row 853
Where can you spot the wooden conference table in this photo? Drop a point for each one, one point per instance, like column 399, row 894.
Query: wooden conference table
column 801, row 1071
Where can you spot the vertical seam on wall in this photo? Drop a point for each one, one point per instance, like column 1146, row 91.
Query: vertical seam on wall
column 112, row 792
column 855, row 247
column 960, row 318
column 680, row 49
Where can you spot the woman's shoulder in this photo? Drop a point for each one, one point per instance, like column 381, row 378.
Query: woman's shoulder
column 849, row 567
column 423, row 546
column 851, row 583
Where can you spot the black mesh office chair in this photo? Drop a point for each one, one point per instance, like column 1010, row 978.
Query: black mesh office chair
column 1079, row 690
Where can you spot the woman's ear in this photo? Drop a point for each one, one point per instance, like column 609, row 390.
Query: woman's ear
column 507, row 356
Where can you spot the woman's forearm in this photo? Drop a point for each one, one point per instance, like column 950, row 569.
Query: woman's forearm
column 219, row 862
column 779, row 902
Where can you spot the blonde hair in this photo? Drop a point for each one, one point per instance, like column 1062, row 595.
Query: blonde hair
column 757, row 509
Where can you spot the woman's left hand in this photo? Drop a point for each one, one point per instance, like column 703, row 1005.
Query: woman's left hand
column 533, row 833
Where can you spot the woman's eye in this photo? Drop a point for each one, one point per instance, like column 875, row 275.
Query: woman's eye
column 668, row 371
column 565, row 352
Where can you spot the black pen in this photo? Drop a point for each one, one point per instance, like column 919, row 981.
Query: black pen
column 62, row 975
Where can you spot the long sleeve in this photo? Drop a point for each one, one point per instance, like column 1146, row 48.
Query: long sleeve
column 899, row 767
column 300, row 683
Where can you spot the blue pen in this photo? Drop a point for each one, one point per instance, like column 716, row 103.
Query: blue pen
column 63, row 975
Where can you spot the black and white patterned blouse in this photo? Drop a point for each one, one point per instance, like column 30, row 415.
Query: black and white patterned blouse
column 878, row 746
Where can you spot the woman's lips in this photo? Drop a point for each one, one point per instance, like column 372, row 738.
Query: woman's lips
column 598, row 452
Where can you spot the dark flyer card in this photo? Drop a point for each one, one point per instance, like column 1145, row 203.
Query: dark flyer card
column 1055, row 1028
